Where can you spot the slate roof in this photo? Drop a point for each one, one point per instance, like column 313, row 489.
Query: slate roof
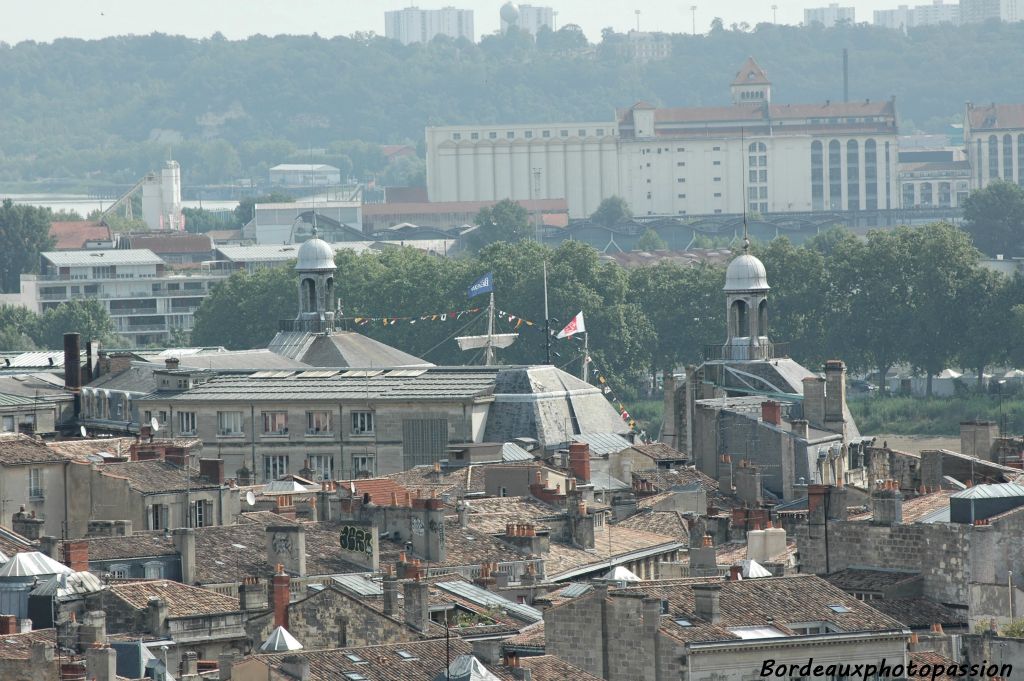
column 35, row 384
column 8, row 400
column 856, row 579
column 659, row 451
column 182, row 600
column 731, row 553
column 17, row 449
column 138, row 545
column 917, row 508
column 341, row 349
column 180, row 242
column 138, row 378
column 154, row 477
column 921, row 612
column 430, row 384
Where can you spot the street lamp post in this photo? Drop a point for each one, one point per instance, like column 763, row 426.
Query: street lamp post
column 693, row 19
column 775, row 18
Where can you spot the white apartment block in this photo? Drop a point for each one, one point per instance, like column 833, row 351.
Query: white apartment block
column 145, row 299
column 994, row 137
column 829, row 16
column 978, row 11
column 905, row 17
column 753, row 154
column 530, row 18
column 414, row 25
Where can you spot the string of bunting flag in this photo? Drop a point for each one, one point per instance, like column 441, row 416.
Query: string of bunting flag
column 447, row 316
column 609, row 392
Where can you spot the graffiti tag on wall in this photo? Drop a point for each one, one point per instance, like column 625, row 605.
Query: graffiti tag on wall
column 357, row 540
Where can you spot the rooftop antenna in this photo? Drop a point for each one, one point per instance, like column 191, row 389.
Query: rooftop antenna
column 743, row 179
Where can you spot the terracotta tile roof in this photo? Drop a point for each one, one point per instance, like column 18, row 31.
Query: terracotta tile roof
column 80, row 449
column 611, row 543
column 182, row 600
column 733, row 552
column 929, row 657
column 154, row 476
column 996, row 117
column 667, row 523
column 920, row 613
column 659, row 451
column 19, row 646
column 11, row 542
column 138, row 545
column 17, row 449
column 775, row 601
column 379, row 489
column 531, row 637
column 491, row 515
column 664, row 480
column 455, row 482
column 916, row 508
column 71, row 236
column 552, row 668
column 750, row 74
column 855, row 579
column 463, row 546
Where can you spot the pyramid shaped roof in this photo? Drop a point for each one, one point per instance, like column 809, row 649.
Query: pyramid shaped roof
column 750, row 74
column 280, row 641
column 32, row 564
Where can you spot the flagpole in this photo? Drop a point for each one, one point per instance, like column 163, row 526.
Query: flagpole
column 585, row 371
column 489, row 348
column 547, row 319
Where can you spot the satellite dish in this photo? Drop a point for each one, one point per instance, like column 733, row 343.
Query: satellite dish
column 250, row 498
column 81, row 429
column 154, row 424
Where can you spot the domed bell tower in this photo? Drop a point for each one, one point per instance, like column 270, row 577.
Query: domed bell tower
column 316, row 270
column 746, row 298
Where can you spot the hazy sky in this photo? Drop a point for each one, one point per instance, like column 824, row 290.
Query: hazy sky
column 45, row 20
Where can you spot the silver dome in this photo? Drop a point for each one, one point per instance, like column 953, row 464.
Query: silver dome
column 316, row 254
column 746, row 273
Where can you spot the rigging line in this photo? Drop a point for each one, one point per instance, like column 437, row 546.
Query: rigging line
column 453, row 334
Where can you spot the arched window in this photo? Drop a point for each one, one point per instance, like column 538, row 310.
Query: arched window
column 993, row 157
column 1008, row 158
column 871, row 174
column 762, row 318
column 817, row 176
column 852, row 176
column 945, row 194
column 308, row 295
column 926, row 194
column 978, row 161
column 835, row 176
column 908, row 195
column 329, row 293
column 740, row 319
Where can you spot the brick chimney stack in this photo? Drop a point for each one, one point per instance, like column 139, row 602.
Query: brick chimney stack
column 280, row 596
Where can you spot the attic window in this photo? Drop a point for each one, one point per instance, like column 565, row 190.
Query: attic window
column 406, row 655
column 839, row 608
column 684, row 623
column 352, row 657
column 355, row 676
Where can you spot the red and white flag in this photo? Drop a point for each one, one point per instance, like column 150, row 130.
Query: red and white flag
column 573, row 327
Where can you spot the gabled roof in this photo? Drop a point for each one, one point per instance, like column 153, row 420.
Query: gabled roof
column 32, row 564
column 182, row 600
column 996, row 117
column 72, row 235
column 17, row 449
column 155, row 477
column 751, row 74
column 379, row 489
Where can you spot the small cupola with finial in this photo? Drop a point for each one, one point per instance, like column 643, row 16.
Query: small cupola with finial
column 746, row 292
column 316, row 270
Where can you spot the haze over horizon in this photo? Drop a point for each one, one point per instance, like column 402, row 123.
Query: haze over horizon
column 237, row 19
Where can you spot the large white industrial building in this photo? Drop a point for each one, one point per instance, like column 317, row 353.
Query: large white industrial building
column 754, row 154
column 415, row 25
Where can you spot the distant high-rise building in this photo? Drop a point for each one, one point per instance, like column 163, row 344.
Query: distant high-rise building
column 828, row 16
column 904, row 17
column 977, row 11
column 414, row 25
column 529, row 18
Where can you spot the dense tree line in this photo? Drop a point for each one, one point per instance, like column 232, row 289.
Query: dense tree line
column 910, row 295
column 227, row 109
column 22, row 329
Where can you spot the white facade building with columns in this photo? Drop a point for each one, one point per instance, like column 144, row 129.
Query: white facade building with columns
column 754, row 154
column 994, row 137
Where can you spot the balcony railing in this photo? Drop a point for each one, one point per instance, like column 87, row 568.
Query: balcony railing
column 763, row 351
column 306, row 325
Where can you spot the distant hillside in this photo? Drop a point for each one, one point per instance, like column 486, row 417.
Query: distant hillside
column 113, row 107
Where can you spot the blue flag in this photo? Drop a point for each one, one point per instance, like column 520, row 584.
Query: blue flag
column 484, row 284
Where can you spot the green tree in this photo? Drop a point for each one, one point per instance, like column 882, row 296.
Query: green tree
column 242, row 312
column 651, row 241
column 505, row 221
column 798, row 311
column 994, row 217
column 612, row 211
column 87, row 316
column 24, row 234
column 982, row 315
column 17, row 328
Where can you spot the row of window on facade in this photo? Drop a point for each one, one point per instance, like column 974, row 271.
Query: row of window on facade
column 835, row 175
column 232, row 423
column 527, row 134
column 1004, row 170
column 940, row 194
column 10, row 423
